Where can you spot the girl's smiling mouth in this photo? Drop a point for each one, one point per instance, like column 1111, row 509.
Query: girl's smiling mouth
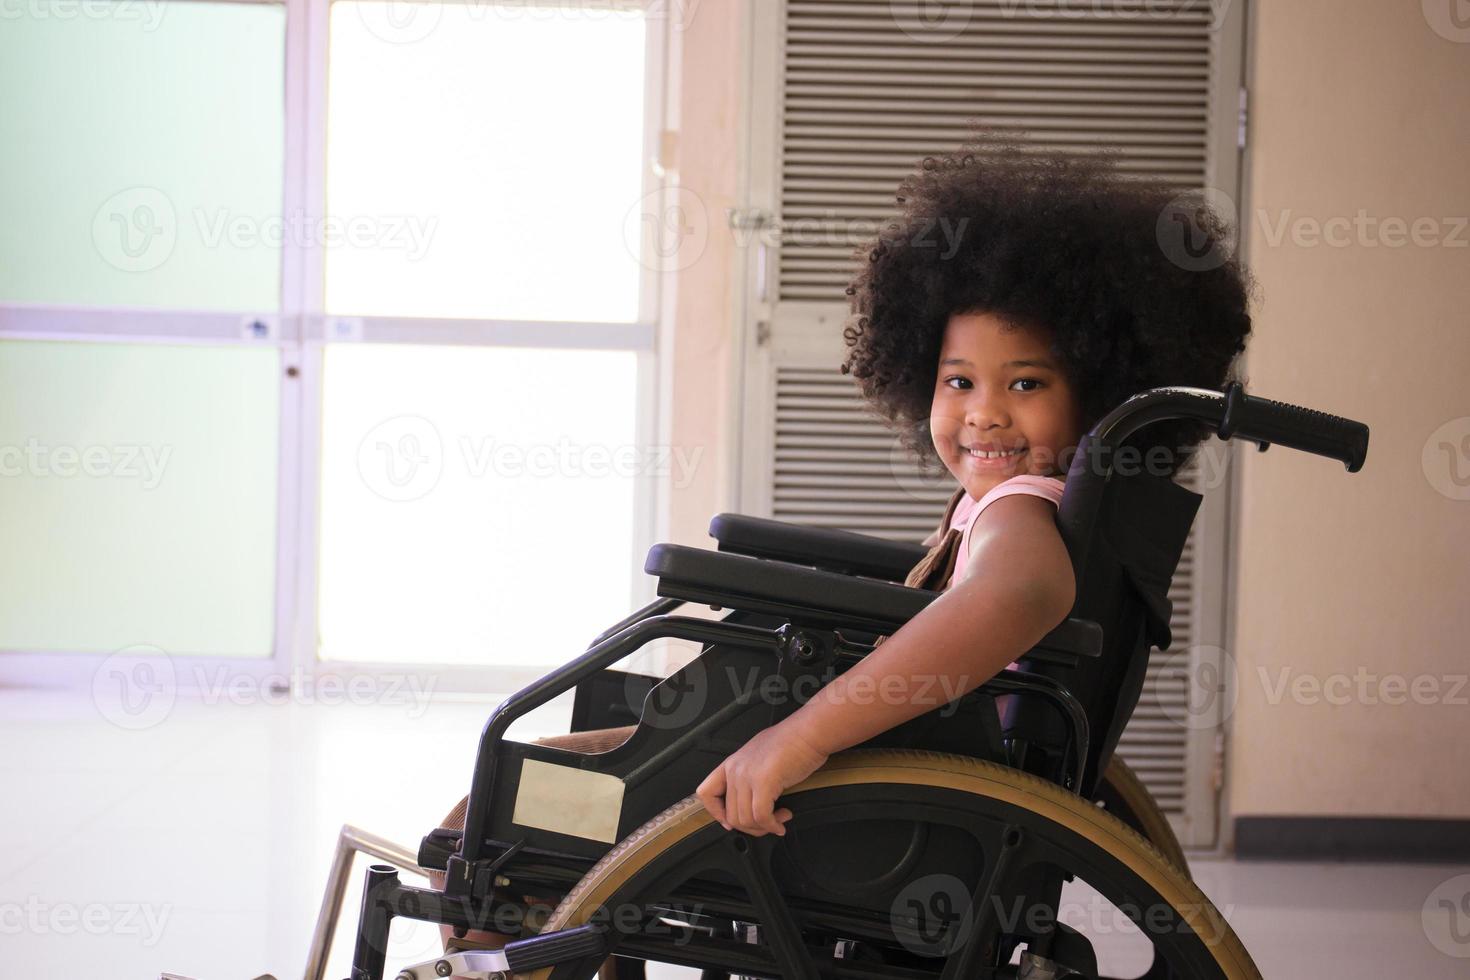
column 991, row 456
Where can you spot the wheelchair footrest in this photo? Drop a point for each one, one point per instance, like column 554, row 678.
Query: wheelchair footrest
column 519, row 956
column 477, row 964
column 554, row 947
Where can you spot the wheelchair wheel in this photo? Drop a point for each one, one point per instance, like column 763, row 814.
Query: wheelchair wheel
column 1014, row 822
column 1123, row 794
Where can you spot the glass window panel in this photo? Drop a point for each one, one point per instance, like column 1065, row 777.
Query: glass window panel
column 143, row 154
column 137, row 497
column 476, row 502
column 489, row 158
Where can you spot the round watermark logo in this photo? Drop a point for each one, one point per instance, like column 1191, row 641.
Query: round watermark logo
column 1193, row 686
column 1184, row 229
column 136, row 230
column 402, row 458
column 400, row 21
column 674, row 702
column 1446, row 459
column 931, row 21
column 1446, row 917
column 135, row 688
column 667, row 230
column 927, row 480
column 930, row 915
column 1450, row 19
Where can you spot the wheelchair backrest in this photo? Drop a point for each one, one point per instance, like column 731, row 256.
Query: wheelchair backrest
column 1125, row 529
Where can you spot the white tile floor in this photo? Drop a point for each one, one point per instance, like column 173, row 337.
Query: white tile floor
column 199, row 846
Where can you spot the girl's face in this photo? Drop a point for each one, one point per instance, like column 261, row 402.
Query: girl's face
column 1000, row 390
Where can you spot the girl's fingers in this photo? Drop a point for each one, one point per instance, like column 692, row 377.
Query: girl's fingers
column 744, row 819
column 710, row 792
column 732, row 806
column 763, row 805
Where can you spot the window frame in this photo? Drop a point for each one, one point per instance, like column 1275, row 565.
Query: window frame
column 300, row 331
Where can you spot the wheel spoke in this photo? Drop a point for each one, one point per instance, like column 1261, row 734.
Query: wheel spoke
column 977, row 918
column 750, row 859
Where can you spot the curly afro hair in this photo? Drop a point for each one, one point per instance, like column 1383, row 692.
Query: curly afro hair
column 1132, row 284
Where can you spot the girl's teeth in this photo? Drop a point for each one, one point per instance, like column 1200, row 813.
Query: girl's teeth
column 983, row 454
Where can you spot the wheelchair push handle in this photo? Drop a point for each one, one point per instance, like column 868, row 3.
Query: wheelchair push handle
column 1267, row 421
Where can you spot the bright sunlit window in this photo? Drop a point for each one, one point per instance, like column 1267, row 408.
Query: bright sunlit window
column 489, row 158
column 476, row 502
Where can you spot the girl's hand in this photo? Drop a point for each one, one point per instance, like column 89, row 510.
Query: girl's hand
column 741, row 792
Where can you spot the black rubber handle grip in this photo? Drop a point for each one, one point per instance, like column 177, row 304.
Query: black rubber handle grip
column 524, row 955
column 1268, row 421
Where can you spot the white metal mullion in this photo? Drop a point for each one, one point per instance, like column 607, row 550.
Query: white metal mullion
column 1209, row 804
column 654, row 182
column 752, row 392
column 308, row 302
column 650, row 489
column 297, row 457
column 300, row 296
column 19, row 321
column 480, row 332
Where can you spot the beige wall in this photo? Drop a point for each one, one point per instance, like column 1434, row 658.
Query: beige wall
column 701, row 346
column 1356, row 106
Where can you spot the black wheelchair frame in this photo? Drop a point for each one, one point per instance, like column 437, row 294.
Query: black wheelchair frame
column 805, row 604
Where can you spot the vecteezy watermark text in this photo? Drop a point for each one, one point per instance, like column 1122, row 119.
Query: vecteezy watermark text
column 92, row 918
column 1363, row 230
column 137, row 687
column 123, row 462
column 409, row 233
column 931, row 916
column 682, row 696
column 403, row 459
column 149, row 13
column 138, row 229
column 1363, row 686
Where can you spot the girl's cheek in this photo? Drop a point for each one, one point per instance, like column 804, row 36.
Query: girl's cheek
column 945, row 439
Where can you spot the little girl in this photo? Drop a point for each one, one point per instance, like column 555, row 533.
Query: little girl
column 1061, row 296
column 1064, row 288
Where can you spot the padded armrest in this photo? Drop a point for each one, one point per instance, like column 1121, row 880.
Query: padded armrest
column 820, row 598
column 838, row 551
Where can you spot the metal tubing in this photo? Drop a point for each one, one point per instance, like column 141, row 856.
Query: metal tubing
column 564, row 678
column 371, row 950
column 657, row 607
column 350, row 840
column 1065, row 700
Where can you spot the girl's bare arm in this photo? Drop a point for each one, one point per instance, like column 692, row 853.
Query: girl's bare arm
column 1017, row 585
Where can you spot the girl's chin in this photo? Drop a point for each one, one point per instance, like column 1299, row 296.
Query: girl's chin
column 978, row 479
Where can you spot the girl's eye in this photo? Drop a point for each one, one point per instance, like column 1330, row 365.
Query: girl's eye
column 964, row 383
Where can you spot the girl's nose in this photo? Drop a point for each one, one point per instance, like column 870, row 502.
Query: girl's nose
column 986, row 413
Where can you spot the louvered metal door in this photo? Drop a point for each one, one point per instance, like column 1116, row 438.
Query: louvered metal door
column 846, row 98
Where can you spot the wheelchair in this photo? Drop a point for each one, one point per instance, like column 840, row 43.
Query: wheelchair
column 937, row 849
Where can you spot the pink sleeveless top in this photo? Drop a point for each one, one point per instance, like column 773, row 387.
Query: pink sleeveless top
column 969, row 508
